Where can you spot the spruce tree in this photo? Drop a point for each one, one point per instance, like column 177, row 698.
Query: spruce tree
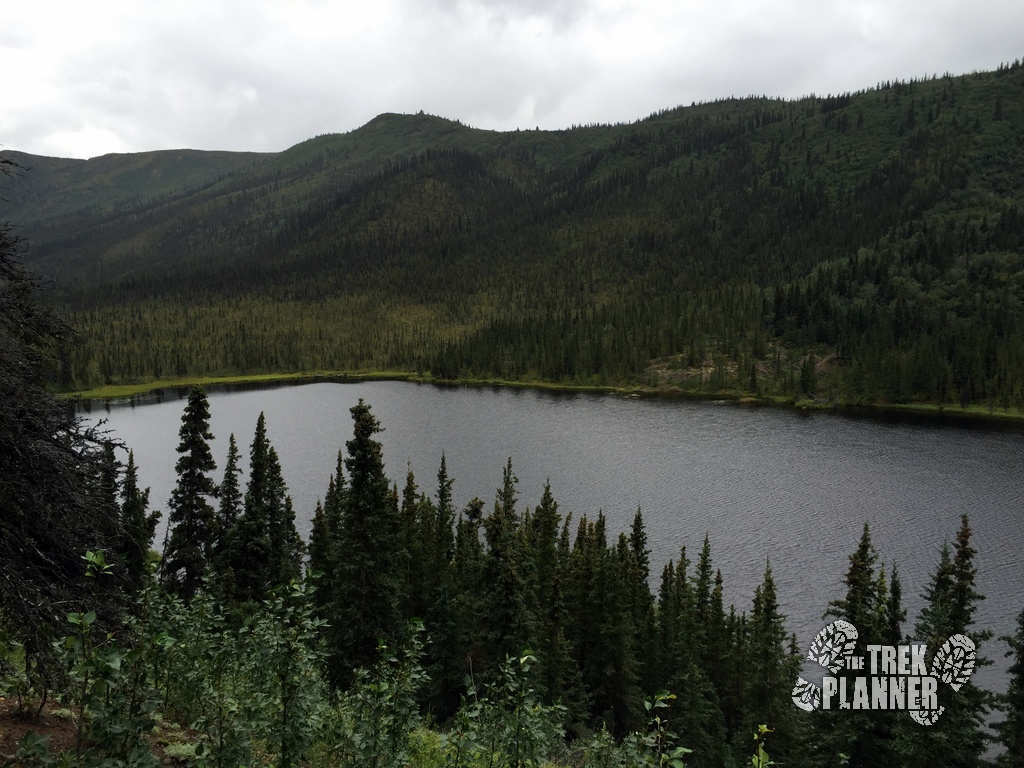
column 467, row 576
column 440, row 586
column 107, row 483
column 49, row 459
column 324, row 540
column 958, row 738
column 251, row 558
column 547, row 604
column 864, row 736
column 191, row 517
column 1011, row 728
column 286, row 546
column 509, row 622
column 416, row 539
column 696, row 714
column 368, row 588
column 444, row 545
column 269, row 550
column 320, row 542
column 229, row 508
column 641, row 603
column 895, row 613
column 773, row 670
column 138, row 526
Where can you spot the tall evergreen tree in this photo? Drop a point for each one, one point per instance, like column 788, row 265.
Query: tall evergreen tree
column 959, row 737
column 286, row 546
column 105, row 492
column 252, row 560
column 696, row 714
column 368, row 588
column 138, row 526
column 509, row 623
column 895, row 613
column 547, row 604
column 417, row 537
column 48, row 460
column 1011, row 728
column 444, row 527
column 324, row 541
column 865, row 737
column 641, row 603
column 467, row 575
column 440, row 586
column 229, row 509
column 191, row 517
column 773, row 670
column 269, row 550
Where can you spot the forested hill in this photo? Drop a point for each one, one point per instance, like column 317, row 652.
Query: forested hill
column 862, row 247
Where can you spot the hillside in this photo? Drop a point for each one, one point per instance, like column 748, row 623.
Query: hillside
column 861, row 247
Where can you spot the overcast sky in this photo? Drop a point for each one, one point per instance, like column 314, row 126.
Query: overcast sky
column 82, row 79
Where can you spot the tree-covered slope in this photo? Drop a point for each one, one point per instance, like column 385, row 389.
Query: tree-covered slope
column 859, row 247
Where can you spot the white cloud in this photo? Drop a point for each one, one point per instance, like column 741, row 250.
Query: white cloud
column 262, row 75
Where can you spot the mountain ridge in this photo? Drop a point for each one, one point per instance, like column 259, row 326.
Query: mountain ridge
column 850, row 247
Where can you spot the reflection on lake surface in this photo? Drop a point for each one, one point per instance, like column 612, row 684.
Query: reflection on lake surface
column 760, row 482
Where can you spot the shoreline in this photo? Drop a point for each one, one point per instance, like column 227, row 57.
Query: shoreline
column 977, row 415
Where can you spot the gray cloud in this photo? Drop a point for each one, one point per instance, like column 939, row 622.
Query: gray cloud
column 127, row 76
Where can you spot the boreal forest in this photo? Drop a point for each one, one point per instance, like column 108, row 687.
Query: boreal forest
column 857, row 248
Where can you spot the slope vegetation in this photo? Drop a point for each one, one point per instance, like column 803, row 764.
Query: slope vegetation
column 863, row 247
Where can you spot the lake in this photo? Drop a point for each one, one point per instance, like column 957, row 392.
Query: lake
column 760, row 482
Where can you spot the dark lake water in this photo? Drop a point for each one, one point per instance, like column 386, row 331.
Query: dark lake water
column 760, row 482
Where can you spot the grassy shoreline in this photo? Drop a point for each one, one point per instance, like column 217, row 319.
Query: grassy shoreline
column 972, row 413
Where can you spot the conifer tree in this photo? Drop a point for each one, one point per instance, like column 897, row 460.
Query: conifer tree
column 1011, row 728
column 467, row 576
column 106, row 488
column 320, row 541
column 444, row 528
column 959, row 737
column 440, row 585
column 599, row 629
column 229, row 509
column 547, row 605
column 772, row 672
column 416, row 538
column 269, row 550
column 371, row 556
column 286, row 546
column 138, row 526
column 864, row 736
column 252, row 561
column 191, row 518
column 49, row 459
column 895, row 613
column 860, row 604
column 641, row 603
column 509, row 623
column 324, row 540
